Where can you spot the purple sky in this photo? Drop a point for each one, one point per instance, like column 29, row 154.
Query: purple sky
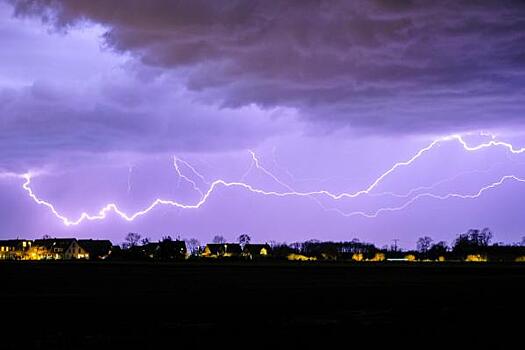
column 98, row 96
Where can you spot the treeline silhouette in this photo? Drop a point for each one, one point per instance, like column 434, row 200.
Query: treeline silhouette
column 472, row 246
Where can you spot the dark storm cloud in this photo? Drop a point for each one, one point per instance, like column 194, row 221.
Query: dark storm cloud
column 41, row 122
column 383, row 65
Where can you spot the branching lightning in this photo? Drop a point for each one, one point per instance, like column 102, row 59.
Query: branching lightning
column 289, row 191
column 440, row 197
column 187, row 179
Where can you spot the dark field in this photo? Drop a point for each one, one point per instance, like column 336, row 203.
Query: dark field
column 113, row 305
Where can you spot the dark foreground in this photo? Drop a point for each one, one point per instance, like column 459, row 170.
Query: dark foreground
column 126, row 305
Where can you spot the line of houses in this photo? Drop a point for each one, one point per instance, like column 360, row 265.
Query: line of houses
column 168, row 249
column 176, row 250
column 91, row 249
column 54, row 249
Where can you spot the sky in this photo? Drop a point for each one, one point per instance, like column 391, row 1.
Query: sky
column 283, row 120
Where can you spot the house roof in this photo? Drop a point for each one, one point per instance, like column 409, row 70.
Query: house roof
column 96, row 247
column 12, row 242
column 224, row 248
column 49, row 243
column 168, row 244
column 255, row 249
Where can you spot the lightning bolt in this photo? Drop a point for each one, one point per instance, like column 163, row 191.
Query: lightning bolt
column 182, row 176
column 112, row 207
column 434, row 185
column 434, row 196
column 130, row 172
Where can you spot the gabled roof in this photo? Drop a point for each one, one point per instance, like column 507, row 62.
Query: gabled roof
column 224, row 248
column 12, row 242
column 165, row 250
column 176, row 245
column 50, row 243
column 96, row 247
column 255, row 249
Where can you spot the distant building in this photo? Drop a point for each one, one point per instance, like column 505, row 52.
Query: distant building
column 58, row 249
column 14, row 249
column 222, row 250
column 253, row 251
column 97, row 249
column 165, row 250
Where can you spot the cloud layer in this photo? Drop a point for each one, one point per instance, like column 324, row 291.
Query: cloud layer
column 379, row 66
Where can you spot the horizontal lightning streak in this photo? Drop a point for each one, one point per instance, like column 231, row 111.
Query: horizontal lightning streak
column 102, row 214
column 434, row 196
column 435, row 184
column 112, row 207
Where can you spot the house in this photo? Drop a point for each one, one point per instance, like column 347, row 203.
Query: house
column 97, row 249
column 222, row 250
column 58, row 249
column 252, row 251
column 14, row 249
column 165, row 250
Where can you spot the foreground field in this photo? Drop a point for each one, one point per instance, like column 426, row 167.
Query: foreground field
column 105, row 305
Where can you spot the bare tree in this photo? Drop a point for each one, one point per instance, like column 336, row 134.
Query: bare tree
column 193, row 246
column 244, row 239
column 423, row 244
column 473, row 240
column 132, row 240
column 219, row 239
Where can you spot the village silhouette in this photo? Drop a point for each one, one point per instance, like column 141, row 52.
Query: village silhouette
column 472, row 246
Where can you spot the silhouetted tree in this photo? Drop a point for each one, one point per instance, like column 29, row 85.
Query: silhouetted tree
column 244, row 239
column 281, row 251
column 145, row 241
column 273, row 243
column 219, row 239
column 296, row 246
column 474, row 241
column 46, row 237
column 193, row 246
column 322, row 250
column 423, row 244
column 438, row 249
column 132, row 240
column 522, row 241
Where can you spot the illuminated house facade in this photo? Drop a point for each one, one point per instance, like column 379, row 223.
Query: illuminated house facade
column 97, row 249
column 54, row 249
column 14, row 249
column 222, row 250
column 57, row 249
column 253, row 251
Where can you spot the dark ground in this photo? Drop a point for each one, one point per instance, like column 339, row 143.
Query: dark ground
column 81, row 305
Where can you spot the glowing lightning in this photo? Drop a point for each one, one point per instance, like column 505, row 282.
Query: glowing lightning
column 182, row 176
column 112, row 207
column 434, row 196
column 130, row 172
